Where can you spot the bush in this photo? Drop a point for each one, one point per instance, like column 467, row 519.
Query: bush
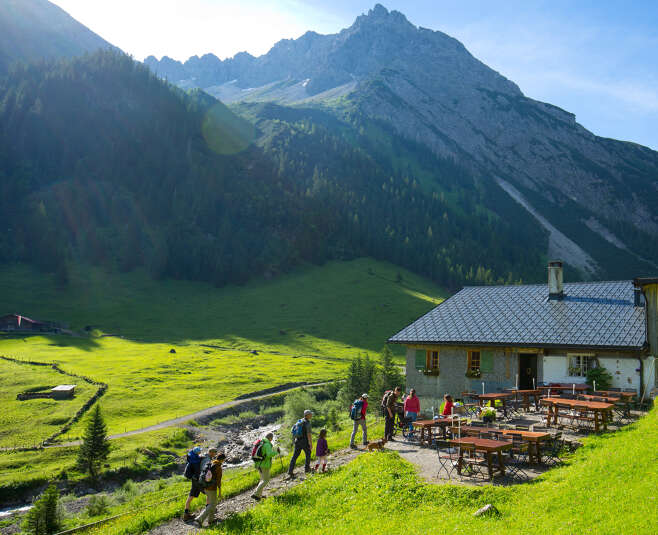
column 601, row 376
column 98, row 505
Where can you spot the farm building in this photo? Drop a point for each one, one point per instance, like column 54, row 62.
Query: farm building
column 18, row 322
column 62, row 391
column 534, row 334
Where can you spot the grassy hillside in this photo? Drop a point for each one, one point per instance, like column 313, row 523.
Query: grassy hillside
column 304, row 327
column 609, row 487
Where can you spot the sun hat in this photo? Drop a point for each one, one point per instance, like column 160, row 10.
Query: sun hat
column 364, row 396
column 307, row 412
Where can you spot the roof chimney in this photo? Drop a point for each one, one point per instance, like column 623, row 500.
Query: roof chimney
column 555, row 281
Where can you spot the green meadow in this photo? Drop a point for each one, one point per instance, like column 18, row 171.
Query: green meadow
column 226, row 342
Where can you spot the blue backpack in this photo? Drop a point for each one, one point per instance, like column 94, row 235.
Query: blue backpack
column 355, row 411
column 298, row 429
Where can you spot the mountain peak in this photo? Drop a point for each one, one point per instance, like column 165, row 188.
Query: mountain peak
column 380, row 15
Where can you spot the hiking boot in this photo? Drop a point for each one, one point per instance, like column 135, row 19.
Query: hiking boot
column 291, row 476
column 187, row 516
column 256, row 497
column 353, row 446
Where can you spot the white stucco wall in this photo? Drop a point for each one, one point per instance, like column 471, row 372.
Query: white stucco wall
column 625, row 371
column 555, row 369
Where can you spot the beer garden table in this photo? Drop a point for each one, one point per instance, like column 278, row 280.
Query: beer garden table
column 599, row 408
column 534, row 392
column 533, row 438
column 489, row 447
column 427, row 425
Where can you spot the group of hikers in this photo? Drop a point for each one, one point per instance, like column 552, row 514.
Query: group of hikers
column 205, row 472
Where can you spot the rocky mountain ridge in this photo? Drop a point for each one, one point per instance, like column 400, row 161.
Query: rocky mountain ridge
column 433, row 91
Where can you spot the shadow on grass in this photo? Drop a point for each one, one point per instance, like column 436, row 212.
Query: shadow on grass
column 58, row 340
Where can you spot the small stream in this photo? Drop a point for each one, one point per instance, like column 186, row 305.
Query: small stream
column 4, row 513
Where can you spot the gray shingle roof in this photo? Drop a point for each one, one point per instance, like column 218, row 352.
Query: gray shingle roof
column 591, row 314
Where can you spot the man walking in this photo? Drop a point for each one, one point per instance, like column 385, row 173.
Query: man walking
column 264, row 466
column 213, row 479
column 301, row 433
column 390, row 400
column 359, row 408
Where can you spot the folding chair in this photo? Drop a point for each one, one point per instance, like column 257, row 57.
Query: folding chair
column 471, row 406
column 552, row 449
column 473, row 465
column 448, row 456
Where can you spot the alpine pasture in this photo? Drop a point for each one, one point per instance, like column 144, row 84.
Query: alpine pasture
column 301, row 327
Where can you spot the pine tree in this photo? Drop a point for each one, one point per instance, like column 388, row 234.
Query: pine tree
column 44, row 517
column 95, row 445
column 389, row 374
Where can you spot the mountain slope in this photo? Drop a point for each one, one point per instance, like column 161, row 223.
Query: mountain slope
column 600, row 193
column 36, row 29
column 102, row 162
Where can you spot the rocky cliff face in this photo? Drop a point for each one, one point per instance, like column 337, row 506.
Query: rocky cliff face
column 433, row 91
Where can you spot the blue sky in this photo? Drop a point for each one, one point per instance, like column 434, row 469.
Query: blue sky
column 595, row 59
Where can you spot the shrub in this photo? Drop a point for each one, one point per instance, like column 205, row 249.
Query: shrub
column 601, row 376
column 98, row 505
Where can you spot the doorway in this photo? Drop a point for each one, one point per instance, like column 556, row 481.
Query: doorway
column 527, row 370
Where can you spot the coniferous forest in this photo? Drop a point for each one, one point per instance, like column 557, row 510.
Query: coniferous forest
column 101, row 162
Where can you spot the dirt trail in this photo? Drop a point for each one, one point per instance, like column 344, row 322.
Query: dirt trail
column 243, row 502
column 193, row 416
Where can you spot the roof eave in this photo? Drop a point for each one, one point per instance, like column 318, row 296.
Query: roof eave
column 637, row 349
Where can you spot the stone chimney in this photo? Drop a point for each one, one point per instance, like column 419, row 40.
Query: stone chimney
column 555, row 281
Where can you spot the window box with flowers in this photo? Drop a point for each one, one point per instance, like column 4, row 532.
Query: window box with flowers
column 432, row 372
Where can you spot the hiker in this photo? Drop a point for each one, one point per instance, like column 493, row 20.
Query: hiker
column 412, row 408
column 266, row 453
column 301, row 434
column 212, row 476
column 388, row 401
column 321, row 451
column 192, row 470
column 447, row 407
column 358, row 415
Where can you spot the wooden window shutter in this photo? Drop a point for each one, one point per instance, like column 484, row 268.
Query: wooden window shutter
column 486, row 361
column 420, row 359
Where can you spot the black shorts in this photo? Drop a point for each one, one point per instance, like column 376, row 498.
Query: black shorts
column 196, row 489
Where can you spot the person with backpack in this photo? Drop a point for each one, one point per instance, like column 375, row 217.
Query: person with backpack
column 210, row 479
column 192, row 471
column 358, row 415
column 262, row 455
column 412, row 408
column 388, row 402
column 302, row 441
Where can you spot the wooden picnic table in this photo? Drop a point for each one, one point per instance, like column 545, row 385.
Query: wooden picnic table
column 564, row 387
column 493, row 396
column 626, row 396
column 489, row 447
column 533, row 438
column 599, row 408
column 609, row 399
column 426, row 427
column 534, row 392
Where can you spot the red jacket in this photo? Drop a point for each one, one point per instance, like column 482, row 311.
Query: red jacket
column 447, row 409
column 412, row 404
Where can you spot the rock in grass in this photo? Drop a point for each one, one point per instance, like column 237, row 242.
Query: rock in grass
column 487, row 510
column 172, row 350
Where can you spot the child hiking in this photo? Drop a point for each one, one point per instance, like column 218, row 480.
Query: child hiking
column 321, row 451
column 262, row 456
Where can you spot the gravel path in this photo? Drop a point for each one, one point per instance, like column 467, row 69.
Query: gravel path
column 193, row 416
column 242, row 502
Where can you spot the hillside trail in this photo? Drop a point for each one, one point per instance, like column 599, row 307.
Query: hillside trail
column 243, row 502
column 204, row 413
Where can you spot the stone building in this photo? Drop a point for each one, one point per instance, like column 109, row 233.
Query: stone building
column 526, row 335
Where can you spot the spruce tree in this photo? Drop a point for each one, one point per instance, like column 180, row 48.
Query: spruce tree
column 95, row 445
column 389, row 375
column 44, row 517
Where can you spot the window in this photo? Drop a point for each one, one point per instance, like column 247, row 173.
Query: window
column 580, row 364
column 474, row 362
column 432, row 360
